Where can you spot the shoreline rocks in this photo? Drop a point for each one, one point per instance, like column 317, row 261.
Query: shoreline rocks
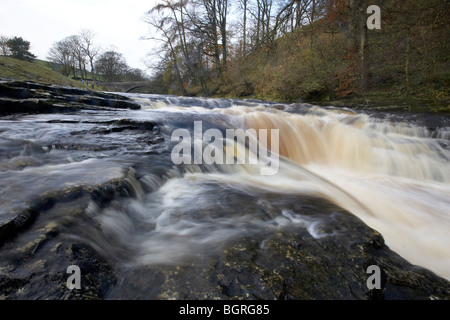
column 31, row 97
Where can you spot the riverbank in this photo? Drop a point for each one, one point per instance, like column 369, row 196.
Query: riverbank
column 12, row 69
column 33, row 97
column 390, row 103
column 376, row 101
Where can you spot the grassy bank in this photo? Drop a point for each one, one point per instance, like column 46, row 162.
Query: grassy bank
column 37, row 71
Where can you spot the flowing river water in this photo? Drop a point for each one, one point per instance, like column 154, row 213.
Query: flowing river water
column 390, row 170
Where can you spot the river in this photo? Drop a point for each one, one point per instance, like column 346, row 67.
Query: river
column 391, row 170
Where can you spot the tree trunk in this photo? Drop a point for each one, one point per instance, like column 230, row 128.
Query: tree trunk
column 85, row 72
column 80, row 67
column 178, row 73
column 258, row 25
column 223, row 31
column 94, row 77
column 175, row 63
column 313, row 10
column 363, row 45
column 358, row 36
column 244, row 45
column 407, row 62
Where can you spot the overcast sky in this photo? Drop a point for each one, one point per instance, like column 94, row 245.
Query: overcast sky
column 117, row 24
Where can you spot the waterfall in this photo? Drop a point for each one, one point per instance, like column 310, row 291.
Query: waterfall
column 392, row 174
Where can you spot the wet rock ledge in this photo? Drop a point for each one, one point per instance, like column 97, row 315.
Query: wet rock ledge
column 32, row 97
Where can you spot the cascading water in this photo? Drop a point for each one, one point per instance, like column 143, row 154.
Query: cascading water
column 393, row 175
column 398, row 172
column 108, row 179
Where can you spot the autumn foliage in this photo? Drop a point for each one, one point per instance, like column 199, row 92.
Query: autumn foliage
column 309, row 49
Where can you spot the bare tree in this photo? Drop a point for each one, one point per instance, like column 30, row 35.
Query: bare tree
column 244, row 31
column 90, row 50
column 222, row 13
column 61, row 53
column 70, row 54
column 112, row 66
column 79, row 54
column 4, row 48
column 189, row 31
column 208, row 26
column 166, row 32
column 261, row 12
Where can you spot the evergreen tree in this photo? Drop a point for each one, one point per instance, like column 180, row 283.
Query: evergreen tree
column 19, row 49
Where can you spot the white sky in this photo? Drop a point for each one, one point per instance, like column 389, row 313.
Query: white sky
column 117, row 24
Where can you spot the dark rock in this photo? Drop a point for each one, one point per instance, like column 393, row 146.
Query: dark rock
column 32, row 105
column 14, row 93
column 98, row 275
column 280, row 264
column 30, row 97
column 102, row 195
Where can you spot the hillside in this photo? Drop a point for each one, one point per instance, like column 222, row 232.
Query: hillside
column 405, row 64
column 323, row 52
column 295, row 69
column 37, row 71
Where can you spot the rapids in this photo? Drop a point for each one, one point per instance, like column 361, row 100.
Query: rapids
column 390, row 170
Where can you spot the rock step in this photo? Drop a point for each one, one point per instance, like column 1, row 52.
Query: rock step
column 30, row 97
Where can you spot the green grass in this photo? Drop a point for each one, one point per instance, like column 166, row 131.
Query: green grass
column 37, row 71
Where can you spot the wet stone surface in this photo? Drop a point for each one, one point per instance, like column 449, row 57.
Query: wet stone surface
column 31, row 97
column 282, row 264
